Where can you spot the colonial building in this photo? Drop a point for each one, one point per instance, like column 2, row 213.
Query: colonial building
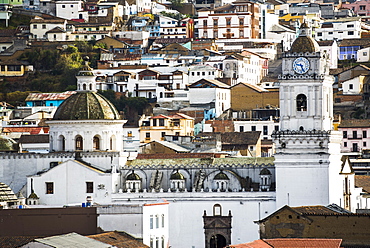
column 156, row 127
column 356, row 135
column 328, row 221
column 238, row 20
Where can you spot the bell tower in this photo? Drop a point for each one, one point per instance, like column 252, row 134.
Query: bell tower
column 307, row 159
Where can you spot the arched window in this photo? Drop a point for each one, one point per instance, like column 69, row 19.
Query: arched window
column 161, row 94
column 79, row 143
column 90, row 86
column 96, row 143
column 217, row 210
column 301, row 102
column 62, row 143
column 84, row 87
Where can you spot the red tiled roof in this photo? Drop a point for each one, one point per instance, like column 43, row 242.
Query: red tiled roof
column 304, row 243
column 291, row 243
column 31, row 130
column 49, row 96
column 254, row 244
column 160, row 117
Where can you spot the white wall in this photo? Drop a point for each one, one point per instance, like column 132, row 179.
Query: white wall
column 69, row 181
column 158, row 214
column 363, row 55
column 353, row 86
column 68, row 9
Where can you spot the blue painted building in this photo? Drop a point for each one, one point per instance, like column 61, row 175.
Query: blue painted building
column 47, row 99
column 348, row 48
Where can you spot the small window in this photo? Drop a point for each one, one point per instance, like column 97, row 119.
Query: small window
column 161, row 122
column 345, row 144
column 241, row 129
column 364, row 134
column 43, row 26
column 351, row 33
column 49, row 188
column 63, row 6
column 350, row 86
column 34, row 26
column 364, row 144
column 89, row 187
column 265, row 130
column 253, row 128
column 217, row 210
column 151, row 223
column 344, row 134
column 319, row 34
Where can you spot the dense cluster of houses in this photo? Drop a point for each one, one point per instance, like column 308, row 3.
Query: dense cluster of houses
column 252, row 105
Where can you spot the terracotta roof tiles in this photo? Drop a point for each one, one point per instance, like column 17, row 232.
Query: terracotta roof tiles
column 314, row 210
column 16, row 241
column 38, row 138
column 354, row 123
column 362, row 181
column 119, row 240
column 304, row 243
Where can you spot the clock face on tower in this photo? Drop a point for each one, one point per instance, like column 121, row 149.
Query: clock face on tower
column 301, row 65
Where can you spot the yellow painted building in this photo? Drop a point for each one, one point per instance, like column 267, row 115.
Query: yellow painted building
column 156, row 127
column 246, row 97
column 13, row 69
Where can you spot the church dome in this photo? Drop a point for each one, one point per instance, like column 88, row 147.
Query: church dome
column 7, row 144
column 265, row 171
column 33, row 195
column 221, row 176
column 86, row 106
column 133, row 176
column 177, row 176
column 304, row 42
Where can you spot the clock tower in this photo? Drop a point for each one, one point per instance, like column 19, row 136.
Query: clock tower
column 307, row 160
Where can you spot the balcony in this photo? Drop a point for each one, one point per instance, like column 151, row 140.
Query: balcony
column 353, row 137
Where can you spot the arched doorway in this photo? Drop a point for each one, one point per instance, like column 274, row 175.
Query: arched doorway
column 217, row 241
